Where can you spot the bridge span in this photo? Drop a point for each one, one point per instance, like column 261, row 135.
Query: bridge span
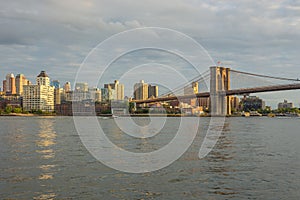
column 241, row 91
column 220, row 91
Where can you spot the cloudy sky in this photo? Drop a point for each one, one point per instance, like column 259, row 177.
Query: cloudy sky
column 56, row 36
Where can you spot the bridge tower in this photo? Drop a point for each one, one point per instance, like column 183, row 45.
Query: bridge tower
column 219, row 83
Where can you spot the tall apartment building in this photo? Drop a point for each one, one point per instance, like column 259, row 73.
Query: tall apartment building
column 4, row 86
column 235, row 103
column 67, row 87
column 20, row 82
column 9, row 84
column 56, row 84
column 116, row 89
column 141, row 91
column 152, row 91
column 58, row 95
column 81, row 87
column 191, row 89
column 95, row 94
column 39, row 96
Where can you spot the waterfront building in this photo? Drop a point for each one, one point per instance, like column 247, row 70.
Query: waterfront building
column 68, row 96
column 67, row 86
column 39, row 96
column 4, row 86
column 10, row 100
column 58, row 95
column 285, row 104
column 204, row 102
column 235, row 103
column 95, row 94
column 252, row 103
column 10, row 84
column 55, row 84
column 20, row 82
column 81, row 92
column 81, row 87
column 141, row 90
column 191, row 89
column 107, row 94
column 119, row 107
column 118, row 90
column 152, row 91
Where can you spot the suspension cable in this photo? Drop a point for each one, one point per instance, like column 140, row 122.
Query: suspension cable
column 202, row 77
column 265, row 76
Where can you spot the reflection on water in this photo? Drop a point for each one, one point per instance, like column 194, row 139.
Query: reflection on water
column 46, row 154
column 223, row 146
column 46, row 141
column 49, row 196
column 254, row 158
column 222, row 154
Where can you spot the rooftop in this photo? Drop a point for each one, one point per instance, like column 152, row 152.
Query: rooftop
column 43, row 74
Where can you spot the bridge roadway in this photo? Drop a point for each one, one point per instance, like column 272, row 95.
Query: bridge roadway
column 228, row 93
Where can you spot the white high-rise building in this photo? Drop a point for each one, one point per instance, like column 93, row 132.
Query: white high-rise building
column 39, row 96
column 141, row 90
column 116, row 89
column 81, row 87
column 67, row 87
column 95, row 94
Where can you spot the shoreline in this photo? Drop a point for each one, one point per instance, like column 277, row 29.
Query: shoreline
column 24, row 115
column 132, row 115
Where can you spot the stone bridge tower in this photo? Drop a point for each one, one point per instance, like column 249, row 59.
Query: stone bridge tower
column 219, row 83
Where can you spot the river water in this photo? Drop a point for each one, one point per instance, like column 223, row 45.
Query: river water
column 254, row 158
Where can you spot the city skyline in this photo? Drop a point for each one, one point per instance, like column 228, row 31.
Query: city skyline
column 84, row 87
column 261, row 37
column 79, row 86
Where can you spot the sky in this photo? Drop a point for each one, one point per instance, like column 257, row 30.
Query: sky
column 57, row 36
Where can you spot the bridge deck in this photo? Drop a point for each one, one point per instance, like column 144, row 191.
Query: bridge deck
column 228, row 93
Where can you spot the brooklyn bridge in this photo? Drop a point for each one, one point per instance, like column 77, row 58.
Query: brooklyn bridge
column 220, row 91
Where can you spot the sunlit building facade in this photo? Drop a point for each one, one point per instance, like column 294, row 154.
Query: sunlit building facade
column 20, row 82
column 39, row 96
column 141, row 90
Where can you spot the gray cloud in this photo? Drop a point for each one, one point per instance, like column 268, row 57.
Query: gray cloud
column 259, row 36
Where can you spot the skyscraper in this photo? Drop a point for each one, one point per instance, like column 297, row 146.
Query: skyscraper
column 141, row 90
column 81, row 87
column 39, row 96
column 67, row 87
column 152, row 91
column 95, row 94
column 191, row 89
column 58, row 95
column 104, row 94
column 117, row 89
column 20, row 82
column 56, row 84
column 4, row 86
column 10, row 84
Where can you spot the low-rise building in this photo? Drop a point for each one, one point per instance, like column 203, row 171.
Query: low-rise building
column 252, row 103
column 285, row 104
